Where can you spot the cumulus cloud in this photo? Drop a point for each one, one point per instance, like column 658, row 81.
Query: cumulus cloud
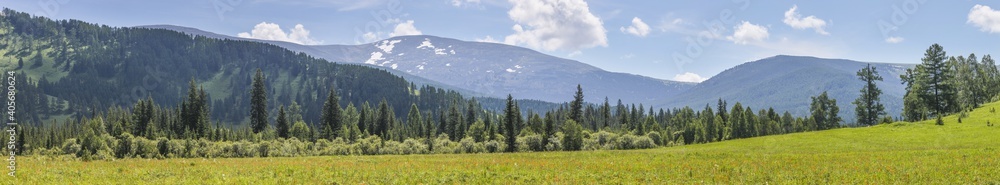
column 638, row 28
column 689, row 77
column 555, row 25
column 795, row 20
column 405, row 28
column 894, row 40
column 272, row 31
column 984, row 17
column 747, row 32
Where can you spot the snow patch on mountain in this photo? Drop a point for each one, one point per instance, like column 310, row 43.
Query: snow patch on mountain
column 376, row 56
column 430, row 46
column 387, row 45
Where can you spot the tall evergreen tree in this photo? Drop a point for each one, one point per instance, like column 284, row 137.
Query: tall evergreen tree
column 576, row 107
column 824, row 112
column 605, row 114
column 510, row 120
column 384, row 120
column 281, row 125
column 258, row 103
column 940, row 95
column 869, row 109
column 332, row 116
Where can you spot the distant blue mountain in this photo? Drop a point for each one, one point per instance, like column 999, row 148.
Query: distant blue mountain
column 786, row 83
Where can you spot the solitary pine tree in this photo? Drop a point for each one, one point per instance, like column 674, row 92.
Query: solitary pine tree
column 281, row 124
column 258, row 103
column 576, row 107
column 940, row 96
column 869, row 109
column 332, row 115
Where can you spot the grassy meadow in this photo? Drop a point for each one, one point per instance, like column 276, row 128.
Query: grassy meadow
column 921, row 153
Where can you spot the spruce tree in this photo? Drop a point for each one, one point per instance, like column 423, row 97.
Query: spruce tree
column 510, row 121
column 384, row 119
column 332, row 116
column 281, row 125
column 258, row 103
column 576, row 107
column 869, row 109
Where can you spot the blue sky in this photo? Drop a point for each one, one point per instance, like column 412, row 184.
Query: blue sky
column 682, row 40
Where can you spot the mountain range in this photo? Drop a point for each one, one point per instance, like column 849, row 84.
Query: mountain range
column 488, row 68
column 782, row 82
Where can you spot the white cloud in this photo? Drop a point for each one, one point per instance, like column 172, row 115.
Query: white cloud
column 272, row 31
column 555, row 25
column 459, row 3
column 671, row 24
column 747, row 32
column 689, row 77
column 405, row 28
column 638, row 28
column 488, row 39
column 984, row 17
column 894, row 40
column 795, row 20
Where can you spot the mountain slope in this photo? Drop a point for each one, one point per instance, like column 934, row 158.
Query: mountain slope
column 786, row 83
column 489, row 68
column 81, row 68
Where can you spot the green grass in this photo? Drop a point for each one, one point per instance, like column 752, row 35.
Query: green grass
column 898, row 153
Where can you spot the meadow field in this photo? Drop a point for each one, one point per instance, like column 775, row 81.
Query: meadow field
column 921, row 153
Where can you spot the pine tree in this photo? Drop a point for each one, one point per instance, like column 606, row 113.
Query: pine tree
column 384, row 120
column 576, row 107
column 332, row 116
column 413, row 120
column 605, row 114
column 281, row 125
column 869, row 109
column 940, row 95
column 258, row 103
column 550, row 128
column 824, row 112
column 510, row 121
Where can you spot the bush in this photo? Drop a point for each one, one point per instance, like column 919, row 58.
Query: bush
column 493, row 146
column 444, row 145
column 469, row 145
column 531, row 142
column 414, row 146
column 573, row 139
column 555, row 144
column 126, row 146
column 643, row 142
column 655, row 136
column 601, row 140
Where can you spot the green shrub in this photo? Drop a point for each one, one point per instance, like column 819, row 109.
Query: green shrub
column 655, row 136
column 531, row 142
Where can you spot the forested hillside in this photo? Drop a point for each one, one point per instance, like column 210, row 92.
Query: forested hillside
column 81, row 68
